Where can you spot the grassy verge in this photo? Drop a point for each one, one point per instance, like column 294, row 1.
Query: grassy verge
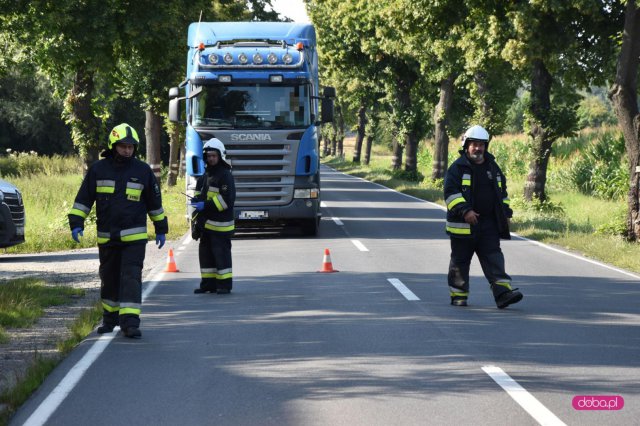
column 22, row 302
column 580, row 223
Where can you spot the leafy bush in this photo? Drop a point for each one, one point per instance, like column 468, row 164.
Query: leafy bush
column 512, row 155
column 602, row 169
column 26, row 164
column 411, row 176
column 594, row 111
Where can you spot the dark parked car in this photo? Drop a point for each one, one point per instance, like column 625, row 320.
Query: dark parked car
column 12, row 218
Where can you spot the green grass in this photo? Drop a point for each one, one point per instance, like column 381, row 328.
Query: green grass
column 21, row 304
column 17, row 395
column 22, row 301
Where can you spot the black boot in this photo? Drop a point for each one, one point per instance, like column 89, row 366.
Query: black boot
column 133, row 332
column 105, row 328
column 508, row 298
column 459, row 301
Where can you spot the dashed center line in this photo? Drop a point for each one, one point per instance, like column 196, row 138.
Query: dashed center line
column 408, row 294
column 360, row 246
column 527, row 401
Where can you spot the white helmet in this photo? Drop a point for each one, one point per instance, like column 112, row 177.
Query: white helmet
column 475, row 133
column 217, row 145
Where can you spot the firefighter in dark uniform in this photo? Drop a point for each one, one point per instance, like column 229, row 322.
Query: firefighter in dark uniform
column 125, row 191
column 478, row 213
column 213, row 203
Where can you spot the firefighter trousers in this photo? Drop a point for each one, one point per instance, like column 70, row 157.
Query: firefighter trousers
column 214, row 253
column 121, row 284
column 485, row 243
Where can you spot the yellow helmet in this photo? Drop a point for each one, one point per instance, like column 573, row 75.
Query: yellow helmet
column 123, row 133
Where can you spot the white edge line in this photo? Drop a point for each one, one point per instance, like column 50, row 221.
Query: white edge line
column 520, row 395
column 51, row 403
column 576, row 256
column 408, row 294
column 359, row 245
column 538, row 243
column 337, row 221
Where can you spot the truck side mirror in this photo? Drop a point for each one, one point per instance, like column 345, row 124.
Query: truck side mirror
column 174, row 92
column 328, row 93
column 327, row 110
column 174, row 110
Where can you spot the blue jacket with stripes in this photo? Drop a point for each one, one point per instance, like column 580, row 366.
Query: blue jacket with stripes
column 459, row 193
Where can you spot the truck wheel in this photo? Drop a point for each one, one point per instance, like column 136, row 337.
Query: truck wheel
column 310, row 227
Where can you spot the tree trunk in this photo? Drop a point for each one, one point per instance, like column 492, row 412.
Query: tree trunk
column 152, row 131
column 441, row 121
column 327, row 144
column 541, row 137
column 340, row 132
column 486, row 113
column 404, row 82
column 623, row 95
column 396, row 160
column 183, row 159
column 362, row 125
column 85, row 126
column 373, row 125
column 174, row 154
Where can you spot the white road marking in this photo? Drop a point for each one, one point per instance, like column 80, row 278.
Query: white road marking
column 337, row 221
column 519, row 394
column 408, row 294
column 360, row 246
column 323, row 204
column 66, row 385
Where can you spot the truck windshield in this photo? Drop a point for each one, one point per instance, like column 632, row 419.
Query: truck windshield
column 252, row 107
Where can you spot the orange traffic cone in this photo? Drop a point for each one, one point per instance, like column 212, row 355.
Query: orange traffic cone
column 327, row 266
column 171, row 263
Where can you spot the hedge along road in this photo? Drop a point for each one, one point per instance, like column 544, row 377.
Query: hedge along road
column 374, row 344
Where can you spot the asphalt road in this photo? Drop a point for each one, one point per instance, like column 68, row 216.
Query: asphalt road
column 376, row 343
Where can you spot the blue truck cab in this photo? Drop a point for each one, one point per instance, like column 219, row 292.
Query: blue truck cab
column 254, row 86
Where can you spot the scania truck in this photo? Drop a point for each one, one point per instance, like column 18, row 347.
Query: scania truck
column 254, row 86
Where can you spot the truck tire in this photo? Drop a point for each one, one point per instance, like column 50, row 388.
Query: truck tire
column 310, row 227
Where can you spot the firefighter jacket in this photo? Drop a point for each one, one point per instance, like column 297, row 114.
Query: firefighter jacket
column 217, row 189
column 459, row 192
column 124, row 193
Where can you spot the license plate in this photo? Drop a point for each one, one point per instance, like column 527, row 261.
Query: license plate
column 253, row 214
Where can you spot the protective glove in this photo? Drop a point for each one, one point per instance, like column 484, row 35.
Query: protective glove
column 160, row 239
column 198, row 205
column 75, row 232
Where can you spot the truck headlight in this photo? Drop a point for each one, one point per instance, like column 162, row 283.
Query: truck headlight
column 306, row 193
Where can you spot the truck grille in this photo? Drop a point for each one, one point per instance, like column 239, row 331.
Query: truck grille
column 17, row 208
column 264, row 173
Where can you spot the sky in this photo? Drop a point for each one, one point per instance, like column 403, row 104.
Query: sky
column 293, row 9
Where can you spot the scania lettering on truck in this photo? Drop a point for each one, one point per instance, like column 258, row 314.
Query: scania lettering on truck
column 254, row 86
